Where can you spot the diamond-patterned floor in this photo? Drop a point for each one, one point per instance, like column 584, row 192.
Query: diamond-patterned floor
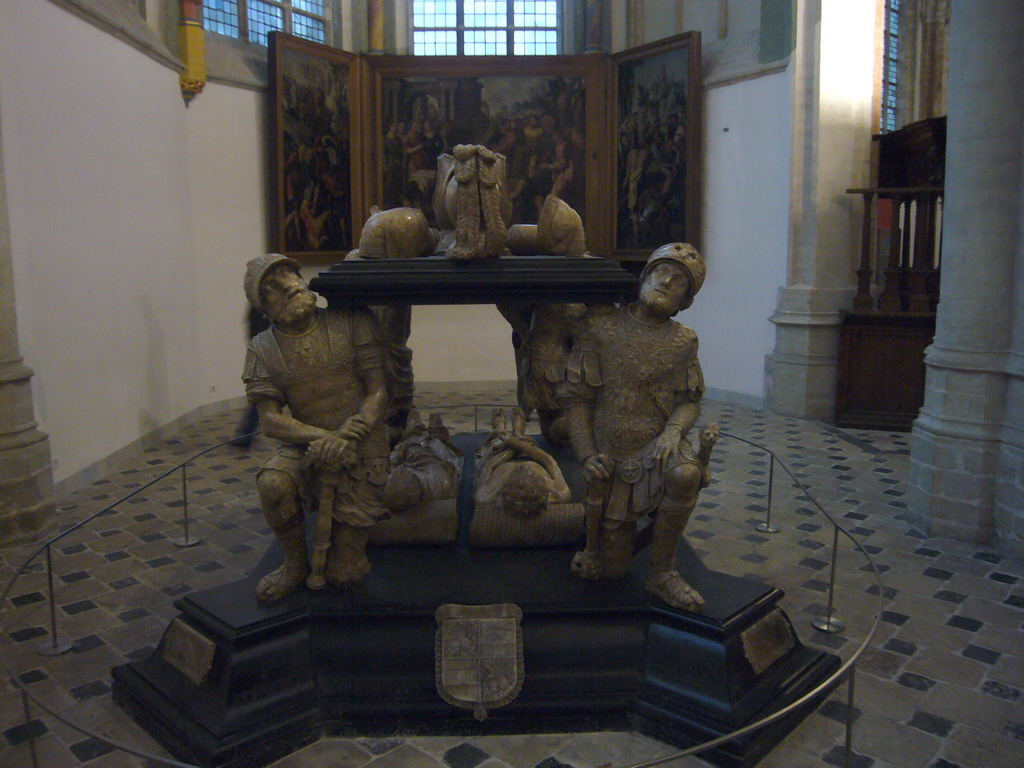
column 940, row 686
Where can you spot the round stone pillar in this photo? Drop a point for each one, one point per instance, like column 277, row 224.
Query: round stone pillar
column 965, row 435
column 833, row 91
column 26, row 478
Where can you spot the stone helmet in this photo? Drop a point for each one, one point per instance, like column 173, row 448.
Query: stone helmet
column 686, row 256
column 257, row 268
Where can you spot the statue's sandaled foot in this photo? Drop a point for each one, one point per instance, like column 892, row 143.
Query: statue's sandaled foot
column 670, row 587
column 279, row 582
column 586, row 565
column 348, row 574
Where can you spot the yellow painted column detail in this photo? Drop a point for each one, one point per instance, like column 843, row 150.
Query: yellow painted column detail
column 192, row 37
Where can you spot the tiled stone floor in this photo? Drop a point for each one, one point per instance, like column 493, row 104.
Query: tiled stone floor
column 939, row 687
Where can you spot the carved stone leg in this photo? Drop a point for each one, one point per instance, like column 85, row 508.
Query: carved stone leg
column 280, row 500
column 664, row 580
column 284, row 579
column 347, row 563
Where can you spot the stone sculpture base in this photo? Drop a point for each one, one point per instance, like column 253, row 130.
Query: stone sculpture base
column 361, row 662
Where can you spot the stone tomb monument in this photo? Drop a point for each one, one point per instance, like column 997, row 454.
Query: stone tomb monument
column 452, row 634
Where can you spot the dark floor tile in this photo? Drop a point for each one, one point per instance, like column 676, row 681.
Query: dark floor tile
column 816, row 585
column 1016, row 601
column 87, row 643
column 115, row 556
column 33, row 676
column 943, row 763
column 79, row 606
column 938, row 573
column 127, row 581
column 209, row 567
column 966, row 623
column 890, row 592
column 90, row 748
column 151, row 537
column 979, row 653
column 811, row 562
column 700, row 534
column 26, row 634
column 465, row 755
column 28, row 599
column 1014, row 731
column 929, row 723
column 71, row 578
column 837, row 756
column 753, row 557
column 90, row 690
column 950, row 597
column 25, row 732
column 176, row 589
column 915, row 681
column 837, row 710
column 133, row 614
column 552, row 762
column 892, row 617
column 988, row 557
column 159, row 562
column 902, row 647
column 1003, row 578
column 74, row 549
column 1000, row 690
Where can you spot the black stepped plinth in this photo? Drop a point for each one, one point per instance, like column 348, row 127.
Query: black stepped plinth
column 361, row 662
column 509, row 279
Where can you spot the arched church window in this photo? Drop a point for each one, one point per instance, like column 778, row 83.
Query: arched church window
column 485, row 27
column 253, row 20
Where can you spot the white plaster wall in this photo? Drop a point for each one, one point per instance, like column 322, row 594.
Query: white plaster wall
column 461, row 343
column 227, row 176
column 95, row 150
column 746, row 214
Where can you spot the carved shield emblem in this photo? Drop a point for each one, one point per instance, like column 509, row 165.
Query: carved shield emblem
column 479, row 655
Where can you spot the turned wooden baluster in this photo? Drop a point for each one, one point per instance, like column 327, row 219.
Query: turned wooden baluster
column 890, row 301
column 862, row 301
column 924, row 248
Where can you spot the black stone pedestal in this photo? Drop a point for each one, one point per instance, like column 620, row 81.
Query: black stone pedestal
column 361, row 662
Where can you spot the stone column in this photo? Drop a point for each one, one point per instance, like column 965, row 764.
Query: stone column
column 26, row 478
column 964, row 431
column 833, row 90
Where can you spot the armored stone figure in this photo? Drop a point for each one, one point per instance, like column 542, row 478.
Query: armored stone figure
column 511, row 470
column 317, row 379
column 632, row 395
column 426, row 466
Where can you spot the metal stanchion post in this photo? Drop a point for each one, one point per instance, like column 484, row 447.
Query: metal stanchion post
column 185, row 541
column 766, row 526
column 53, row 648
column 828, row 623
column 31, row 737
column 848, row 751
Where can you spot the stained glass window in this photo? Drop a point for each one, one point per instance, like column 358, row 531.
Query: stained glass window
column 890, row 65
column 485, row 27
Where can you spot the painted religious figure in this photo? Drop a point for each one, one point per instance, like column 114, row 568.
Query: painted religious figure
column 317, row 379
column 632, row 394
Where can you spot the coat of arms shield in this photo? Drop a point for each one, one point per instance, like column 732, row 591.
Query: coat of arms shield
column 479, row 655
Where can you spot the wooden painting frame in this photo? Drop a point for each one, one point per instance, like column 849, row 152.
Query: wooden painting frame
column 563, row 93
column 317, row 184
column 650, row 169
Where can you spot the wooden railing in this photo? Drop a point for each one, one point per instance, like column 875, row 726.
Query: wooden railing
column 900, row 254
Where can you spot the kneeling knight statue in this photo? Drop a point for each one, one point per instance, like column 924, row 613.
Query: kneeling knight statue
column 632, row 394
column 316, row 377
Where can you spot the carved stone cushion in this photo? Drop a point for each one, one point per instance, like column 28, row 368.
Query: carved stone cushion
column 558, row 524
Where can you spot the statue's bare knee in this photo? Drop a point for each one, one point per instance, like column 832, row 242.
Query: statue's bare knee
column 279, row 497
column 683, row 482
